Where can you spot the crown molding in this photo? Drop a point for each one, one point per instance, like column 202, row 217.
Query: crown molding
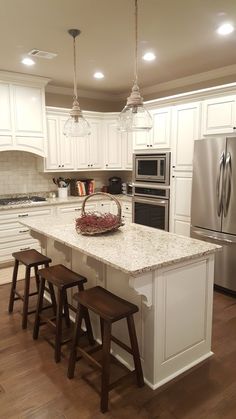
column 11, row 76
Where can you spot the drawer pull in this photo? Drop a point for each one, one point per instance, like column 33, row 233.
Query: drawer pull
column 77, row 209
column 23, row 215
column 25, row 248
column 23, row 231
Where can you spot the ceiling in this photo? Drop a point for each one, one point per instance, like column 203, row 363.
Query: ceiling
column 182, row 33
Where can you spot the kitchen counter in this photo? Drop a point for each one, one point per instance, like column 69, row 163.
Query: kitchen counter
column 58, row 201
column 133, row 249
column 169, row 278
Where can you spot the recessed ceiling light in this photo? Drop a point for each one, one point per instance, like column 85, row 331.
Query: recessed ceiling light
column 225, row 29
column 149, row 56
column 28, row 61
column 98, row 75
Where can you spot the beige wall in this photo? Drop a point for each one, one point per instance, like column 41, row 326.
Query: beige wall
column 65, row 101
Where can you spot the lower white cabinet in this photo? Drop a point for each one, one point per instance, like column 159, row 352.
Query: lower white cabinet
column 14, row 237
column 180, row 201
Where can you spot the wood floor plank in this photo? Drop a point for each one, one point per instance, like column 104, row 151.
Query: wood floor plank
column 32, row 386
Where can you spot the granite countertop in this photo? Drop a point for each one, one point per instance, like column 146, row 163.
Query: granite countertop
column 58, row 201
column 132, row 249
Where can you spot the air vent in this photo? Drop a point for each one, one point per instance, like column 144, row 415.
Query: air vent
column 42, row 54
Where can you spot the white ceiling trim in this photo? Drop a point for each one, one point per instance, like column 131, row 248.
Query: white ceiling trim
column 67, row 91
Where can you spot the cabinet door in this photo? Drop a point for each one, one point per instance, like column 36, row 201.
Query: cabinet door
column 95, row 146
column 160, row 134
column 28, row 111
column 219, row 115
column 104, row 207
column 186, row 129
column 53, row 153
column 142, row 140
column 6, row 138
column 127, row 144
column 66, row 148
column 180, row 201
column 113, row 146
column 82, row 153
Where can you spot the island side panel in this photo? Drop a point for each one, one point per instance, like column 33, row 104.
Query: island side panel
column 183, row 322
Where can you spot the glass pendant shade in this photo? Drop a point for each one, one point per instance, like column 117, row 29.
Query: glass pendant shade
column 76, row 125
column 134, row 116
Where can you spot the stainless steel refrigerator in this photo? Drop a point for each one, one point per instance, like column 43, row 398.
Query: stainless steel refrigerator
column 213, row 209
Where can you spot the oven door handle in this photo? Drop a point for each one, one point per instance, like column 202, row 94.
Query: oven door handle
column 163, row 202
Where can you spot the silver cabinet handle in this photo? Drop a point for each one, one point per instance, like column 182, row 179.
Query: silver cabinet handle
column 22, row 215
column 25, row 248
column 77, row 209
column 23, row 231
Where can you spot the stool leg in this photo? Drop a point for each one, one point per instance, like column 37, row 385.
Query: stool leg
column 135, row 349
column 102, row 328
column 66, row 309
column 105, row 366
column 89, row 329
column 13, row 286
column 39, row 309
column 53, row 298
column 26, row 297
column 36, row 277
column 75, row 342
column 58, row 326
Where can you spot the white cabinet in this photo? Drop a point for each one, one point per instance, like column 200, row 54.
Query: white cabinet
column 219, row 115
column 180, row 200
column 13, row 236
column 113, row 145
column 59, row 147
column 185, row 130
column 22, row 113
column 89, row 149
column 159, row 135
column 127, row 147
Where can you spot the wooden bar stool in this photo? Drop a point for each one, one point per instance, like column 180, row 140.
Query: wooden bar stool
column 63, row 279
column 31, row 259
column 110, row 308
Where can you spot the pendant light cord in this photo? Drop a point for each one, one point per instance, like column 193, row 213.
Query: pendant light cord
column 75, row 76
column 136, row 42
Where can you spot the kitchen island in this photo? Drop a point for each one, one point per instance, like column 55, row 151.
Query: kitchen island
column 169, row 277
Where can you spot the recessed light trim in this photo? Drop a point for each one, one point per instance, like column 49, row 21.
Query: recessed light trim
column 98, row 75
column 149, row 56
column 28, row 61
column 225, row 29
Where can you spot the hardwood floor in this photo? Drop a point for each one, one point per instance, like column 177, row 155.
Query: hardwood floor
column 32, row 386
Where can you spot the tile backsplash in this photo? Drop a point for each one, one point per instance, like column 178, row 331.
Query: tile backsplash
column 20, row 174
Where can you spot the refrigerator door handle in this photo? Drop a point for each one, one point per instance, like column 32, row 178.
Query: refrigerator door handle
column 219, row 183
column 227, row 184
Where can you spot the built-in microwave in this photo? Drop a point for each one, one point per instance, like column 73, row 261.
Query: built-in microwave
column 152, row 168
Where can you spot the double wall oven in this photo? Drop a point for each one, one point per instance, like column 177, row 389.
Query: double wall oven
column 151, row 190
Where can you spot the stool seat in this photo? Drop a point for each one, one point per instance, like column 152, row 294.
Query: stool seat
column 61, row 276
column 108, row 306
column 31, row 258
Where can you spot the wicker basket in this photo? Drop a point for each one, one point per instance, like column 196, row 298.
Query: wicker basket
column 99, row 219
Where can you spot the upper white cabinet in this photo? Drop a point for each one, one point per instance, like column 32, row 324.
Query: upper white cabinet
column 59, row 147
column 127, row 147
column 113, row 144
column 219, row 115
column 89, row 149
column 185, row 130
column 22, row 113
column 159, row 135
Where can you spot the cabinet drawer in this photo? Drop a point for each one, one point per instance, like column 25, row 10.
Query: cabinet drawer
column 14, row 216
column 68, row 209
column 127, row 207
column 12, row 234
column 6, row 254
column 20, row 241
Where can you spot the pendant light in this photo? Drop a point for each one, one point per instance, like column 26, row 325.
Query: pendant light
column 76, row 125
column 134, row 116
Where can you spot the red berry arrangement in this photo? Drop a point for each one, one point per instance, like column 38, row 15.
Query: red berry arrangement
column 96, row 223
